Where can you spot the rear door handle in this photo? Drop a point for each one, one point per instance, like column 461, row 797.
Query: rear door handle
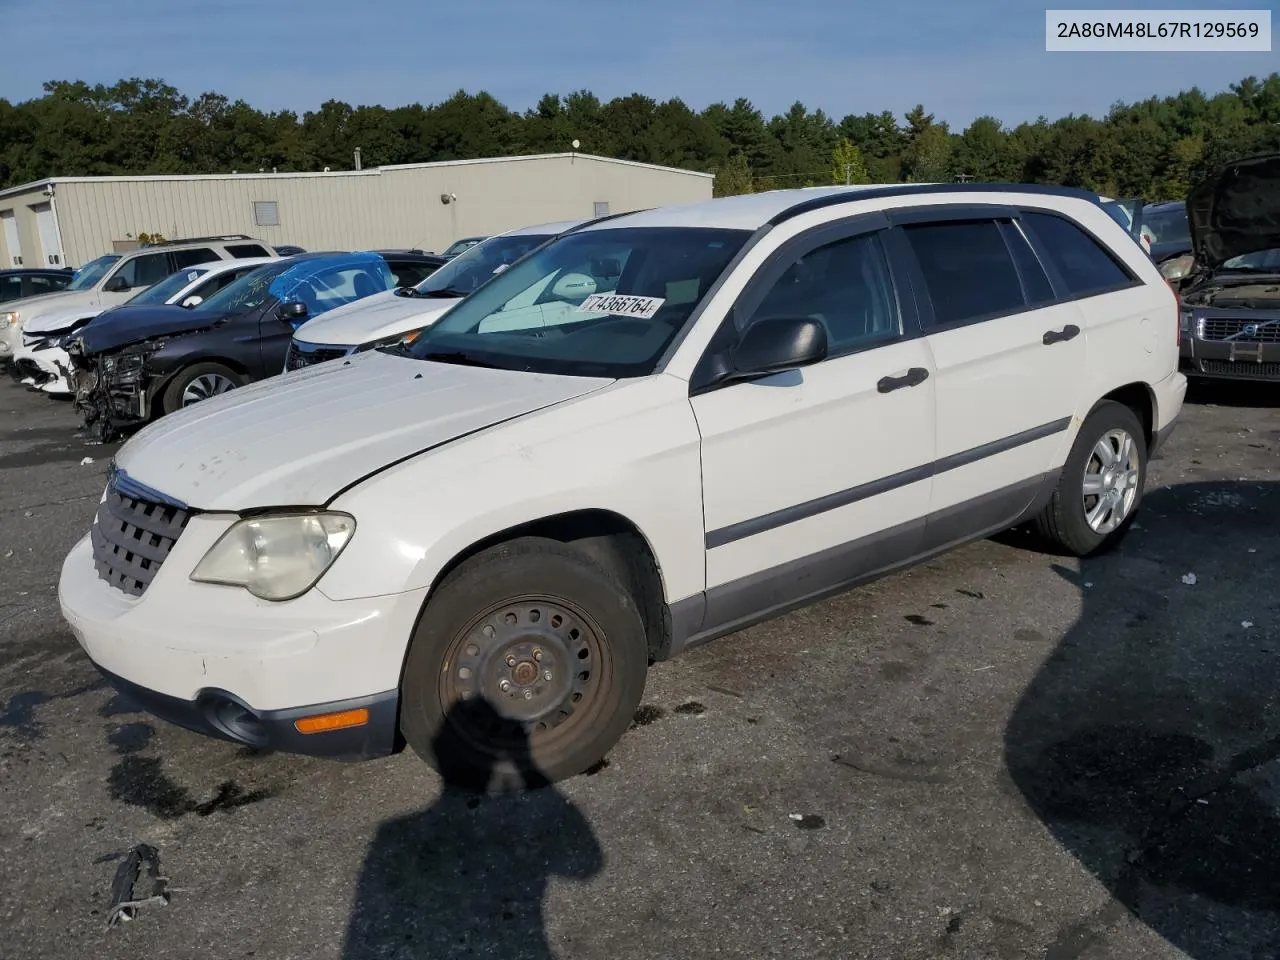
column 1069, row 332
column 912, row 378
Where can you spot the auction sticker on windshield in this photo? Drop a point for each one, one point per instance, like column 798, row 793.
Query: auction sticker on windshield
column 622, row 305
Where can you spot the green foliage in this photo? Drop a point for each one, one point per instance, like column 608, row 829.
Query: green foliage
column 847, row 165
column 149, row 239
column 1154, row 148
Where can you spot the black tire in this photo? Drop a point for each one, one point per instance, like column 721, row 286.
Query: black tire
column 484, row 626
column 171, row 400
column 1063, row 521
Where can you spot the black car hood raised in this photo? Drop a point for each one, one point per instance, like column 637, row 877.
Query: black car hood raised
column 1236, row 210
column 113, row 329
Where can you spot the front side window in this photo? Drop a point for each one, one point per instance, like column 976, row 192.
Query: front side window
column 846, row 286
column 1085, row 265
column 603, row 302
column 220, row 280
column 967, row 268
column 167, row 288
column 88, row 276
column 143, row 271
column 11, row 288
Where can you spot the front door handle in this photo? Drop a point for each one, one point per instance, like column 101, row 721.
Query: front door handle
column 1069, row 332
column 912, row 378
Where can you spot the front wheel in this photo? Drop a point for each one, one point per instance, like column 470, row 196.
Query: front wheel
column 1101, row 484
column 526, row 667
column 200, row 381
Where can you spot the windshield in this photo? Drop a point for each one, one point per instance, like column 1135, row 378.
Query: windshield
column 602, row 303
column 1168, row 226
column 1263, row 261
column 477, row 264
column 247, row 292
column 93, row 271
column 169, row 287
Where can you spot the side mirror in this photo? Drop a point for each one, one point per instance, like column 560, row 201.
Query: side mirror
column 116, row 284
column 292, row 312
column 193, row 301
column 779, row 344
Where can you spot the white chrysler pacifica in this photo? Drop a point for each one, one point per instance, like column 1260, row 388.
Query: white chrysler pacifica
column 653, row 431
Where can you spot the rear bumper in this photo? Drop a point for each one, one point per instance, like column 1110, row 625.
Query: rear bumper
column 216, row 713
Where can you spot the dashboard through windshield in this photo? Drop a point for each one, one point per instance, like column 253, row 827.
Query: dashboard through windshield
column 599, row 303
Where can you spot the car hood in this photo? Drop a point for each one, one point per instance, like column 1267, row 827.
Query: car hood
column 1236, row 210
column 122, row 326
column 70, row 299
column 381, row 315
column 60, row 318
column 301, row 438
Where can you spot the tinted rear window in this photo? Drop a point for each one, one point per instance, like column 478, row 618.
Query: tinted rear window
column 1085, row 265
column 967, row 268
column 243, row 251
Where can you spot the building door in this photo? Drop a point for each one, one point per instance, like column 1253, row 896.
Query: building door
column 51, row 243
column 12, row 243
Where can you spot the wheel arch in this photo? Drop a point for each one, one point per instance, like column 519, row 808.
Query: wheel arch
column 1141, row 399
column 612, row 540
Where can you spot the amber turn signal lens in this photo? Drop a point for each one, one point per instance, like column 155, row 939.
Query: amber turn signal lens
column 322, row 723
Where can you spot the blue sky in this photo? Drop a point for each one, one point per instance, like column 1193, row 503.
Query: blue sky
column 960, row 58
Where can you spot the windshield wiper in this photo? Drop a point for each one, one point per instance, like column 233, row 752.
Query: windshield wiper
column 446, row 292
column 409, row 292
column 458, row 357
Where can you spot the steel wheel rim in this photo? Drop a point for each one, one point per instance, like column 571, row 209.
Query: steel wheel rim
column 520, row 641
column 1111, row 476
column 205, row 386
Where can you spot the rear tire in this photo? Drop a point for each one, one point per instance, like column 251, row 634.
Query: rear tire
column 526, row 667
column 199, row 382
column 1101, row 485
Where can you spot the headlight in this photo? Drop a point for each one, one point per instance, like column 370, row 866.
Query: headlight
column 276, row 557
column 405, row 338
column 8, row 319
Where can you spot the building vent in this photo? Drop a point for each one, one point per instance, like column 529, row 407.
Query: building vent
column 265, row 213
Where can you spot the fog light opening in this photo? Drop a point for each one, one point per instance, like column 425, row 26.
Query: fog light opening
column 235, row 720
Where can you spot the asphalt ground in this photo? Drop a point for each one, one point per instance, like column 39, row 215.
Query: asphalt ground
column 1001, row 754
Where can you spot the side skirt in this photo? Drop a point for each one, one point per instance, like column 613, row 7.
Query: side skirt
column 771, row 593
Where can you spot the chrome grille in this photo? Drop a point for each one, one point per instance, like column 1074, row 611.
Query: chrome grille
column 304, row 355
column 1241, row 331
column 131, row 538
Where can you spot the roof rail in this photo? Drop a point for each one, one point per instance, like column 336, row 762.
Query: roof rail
column 911, row 189
column 229, row 236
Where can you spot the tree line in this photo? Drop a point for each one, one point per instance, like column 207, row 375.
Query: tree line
column 1154, row 148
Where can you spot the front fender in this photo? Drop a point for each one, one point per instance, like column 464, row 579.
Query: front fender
column 633, row 450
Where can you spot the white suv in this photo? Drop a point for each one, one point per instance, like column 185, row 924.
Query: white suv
column 482, row 542
column 112, row 279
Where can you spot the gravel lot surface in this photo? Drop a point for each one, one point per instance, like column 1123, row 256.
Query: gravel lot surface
column 1002, row 754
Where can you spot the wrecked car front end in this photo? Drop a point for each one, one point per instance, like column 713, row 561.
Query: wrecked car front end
column 113, row 390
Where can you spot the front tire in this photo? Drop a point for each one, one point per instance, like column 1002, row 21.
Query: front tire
column 200, row 381
column 526, row 667
column 1101, row 485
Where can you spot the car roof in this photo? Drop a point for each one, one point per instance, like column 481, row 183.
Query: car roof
column 222, row 266
column 556, row 226
column 753, row 211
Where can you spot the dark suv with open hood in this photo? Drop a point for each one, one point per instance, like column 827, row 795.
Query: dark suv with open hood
column 1230, row 319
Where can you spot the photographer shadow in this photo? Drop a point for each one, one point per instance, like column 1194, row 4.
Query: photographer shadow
column 1149, row 741
column 467, row 876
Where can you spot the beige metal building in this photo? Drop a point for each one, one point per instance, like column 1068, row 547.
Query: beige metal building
column 68, row 221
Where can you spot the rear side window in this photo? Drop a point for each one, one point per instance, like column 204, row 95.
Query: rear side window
column 41, row 284
column 410, row 274
column 1086, row 266
column 242, row 251
column 967, row 268
column 188, row 258
column 1035, row 283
